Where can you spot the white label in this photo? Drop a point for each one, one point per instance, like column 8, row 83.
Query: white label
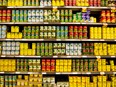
column 102, row 73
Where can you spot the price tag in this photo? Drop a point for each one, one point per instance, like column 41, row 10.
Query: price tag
column 30, row 72
column 112, row 56
column 58, row 73
column 1, row 72
column 114, row 72
column 44, row 73
column 84, row 9
column 102, row 73
column 17, row 72
column 84, row 56
column 45, row 22
column 68, row 56
column 55, row 56
column 88, row 73
column 58, row 39
column 62, row 22
column 105, row 24
column 74, row 73
column 3, row 56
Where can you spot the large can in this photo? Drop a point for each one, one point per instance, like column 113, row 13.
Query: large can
column 4, row 12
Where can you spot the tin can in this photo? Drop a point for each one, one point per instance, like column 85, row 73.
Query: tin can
column 108, row 19
column 8, row 12
column 4, row 12
column 3, row 18
column 113, row 20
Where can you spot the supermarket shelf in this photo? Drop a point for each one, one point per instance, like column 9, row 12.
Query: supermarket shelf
column 58, row 40
column 63, row 40
column 62, row 23
column 74, row 73
column 56, row 23
column 62, row 7
column 78, row 73
column 59, row 56
column 7, row 23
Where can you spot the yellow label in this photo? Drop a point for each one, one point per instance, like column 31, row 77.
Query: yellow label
column 8, row 35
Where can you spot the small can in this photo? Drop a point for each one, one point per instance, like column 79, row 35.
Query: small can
column 37, row 12
column 3, row 18
column 41, row 19
column 21, row 13
column 8, row 12
column 41, row 12
column 4, row 12
column 33, row 12
column 21, row 18
column 29, row 19
column 108, row 19
column 8, row 19
column 37, row 19
column 71, row 52
column 67, row 52
column 17, row 19
column 29, row 12
column 33, row 19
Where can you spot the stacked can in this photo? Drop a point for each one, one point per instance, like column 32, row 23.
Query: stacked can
column 0, row 48
column 31, row 32
column 78, row 32
column 22, row 65
column 73, row 49
column 3, row 30
column 48, row 65
column 5, row 15
column 45, row 2
column 70, row 2
column 108, row 16
column 3, row 3
column 10, row 48
column 44, row 49
column 111, row 3
column 77, row 17
column 48, row 81
column 88, row 48
column 10, row 80
column 59, row 49
column 86, row 16
column 95, row 3
column 47, row 32
column 34, row 65
column 104, row 2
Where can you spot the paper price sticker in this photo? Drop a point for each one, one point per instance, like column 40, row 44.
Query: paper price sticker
column 114, row 72
column 105, row 24
column 88, row 73
column 102, row 73
column 17, row 72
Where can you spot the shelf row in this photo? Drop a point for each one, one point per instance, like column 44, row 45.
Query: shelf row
column 60, row 7
column 62, row 73
column 39, row 80
column 88, row 40
column 55, row 23
column 57, row 33
column 58, row 3
column 56, row 57
column 106, row 16
column 57, row 49
column 57, row 65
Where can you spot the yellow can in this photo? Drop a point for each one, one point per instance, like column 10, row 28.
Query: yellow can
column 29, row 52
column 21, row 52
